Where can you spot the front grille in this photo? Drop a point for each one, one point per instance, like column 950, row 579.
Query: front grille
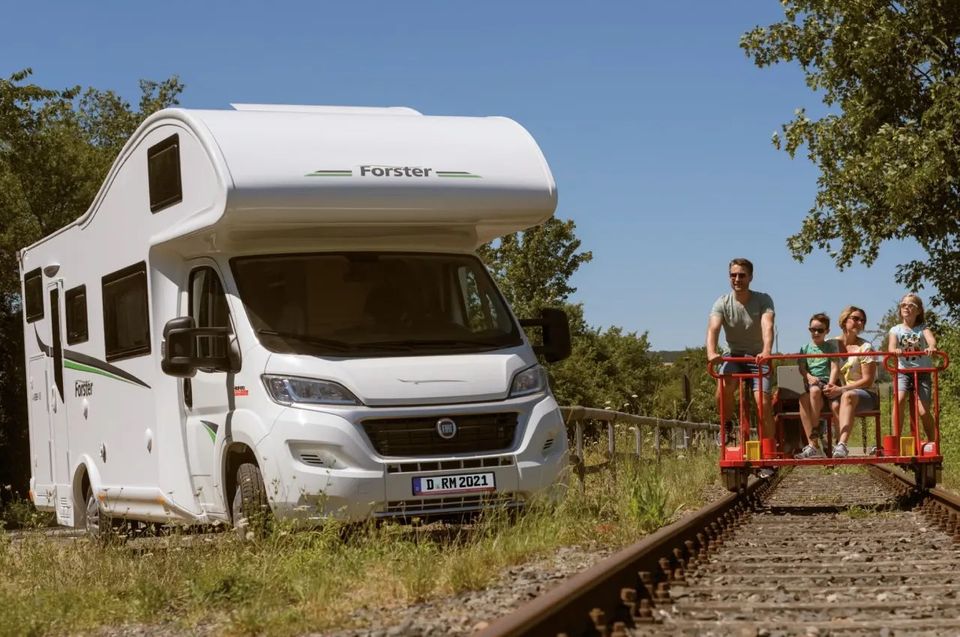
column 476, row 433
column 448, row 505
column 450, row 465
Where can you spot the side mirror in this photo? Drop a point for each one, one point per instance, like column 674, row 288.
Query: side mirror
column 179, row 348
column 183, row 355
column 555, row 336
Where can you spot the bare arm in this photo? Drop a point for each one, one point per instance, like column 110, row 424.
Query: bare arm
column 834, row 371
column 766, row 325
column 892, row 344
column 930, row 338
column 713, row 337
column 868, row 370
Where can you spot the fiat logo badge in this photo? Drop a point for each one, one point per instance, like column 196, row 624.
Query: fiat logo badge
column 446, row 428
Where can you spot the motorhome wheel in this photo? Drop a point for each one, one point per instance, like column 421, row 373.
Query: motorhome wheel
column 99, row 526
column 251, row 511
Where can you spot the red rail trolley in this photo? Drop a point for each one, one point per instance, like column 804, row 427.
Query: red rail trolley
column 746, row 452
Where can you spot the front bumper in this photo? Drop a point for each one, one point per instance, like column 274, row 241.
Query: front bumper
column 325, row 465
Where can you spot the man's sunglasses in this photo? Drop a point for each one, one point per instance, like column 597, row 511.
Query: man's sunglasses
column 738, row 275
column 816, row 330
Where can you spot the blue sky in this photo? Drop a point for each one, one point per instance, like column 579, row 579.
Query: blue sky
column 656, row 125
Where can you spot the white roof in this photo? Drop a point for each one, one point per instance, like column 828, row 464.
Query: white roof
column 290, row 173
column 346, row 166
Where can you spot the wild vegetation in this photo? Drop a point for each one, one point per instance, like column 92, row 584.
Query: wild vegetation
column 889, row 161
column 294, row 582
column 886, row 146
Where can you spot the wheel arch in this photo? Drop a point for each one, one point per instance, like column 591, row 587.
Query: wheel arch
column 235, row 453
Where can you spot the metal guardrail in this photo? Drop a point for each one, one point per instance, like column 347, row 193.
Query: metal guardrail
column 575, row 416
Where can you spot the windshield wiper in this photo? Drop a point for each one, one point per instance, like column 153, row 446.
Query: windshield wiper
column 329, row 343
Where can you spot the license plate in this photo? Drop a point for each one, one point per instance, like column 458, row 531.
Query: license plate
column 460, row 483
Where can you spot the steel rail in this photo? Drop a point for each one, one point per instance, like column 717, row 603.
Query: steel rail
column 588, row 601
column 939, row 497
column 625, row 586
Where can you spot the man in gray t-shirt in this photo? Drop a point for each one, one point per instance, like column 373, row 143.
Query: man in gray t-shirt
column 747, row 321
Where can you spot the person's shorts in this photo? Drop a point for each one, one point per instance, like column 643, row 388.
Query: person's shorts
column 869, row 401
column 905, row 384
column 822, row 382
column 744, row 367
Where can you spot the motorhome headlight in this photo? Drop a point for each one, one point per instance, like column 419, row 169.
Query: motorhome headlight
column 529, row 381
column 288, row 390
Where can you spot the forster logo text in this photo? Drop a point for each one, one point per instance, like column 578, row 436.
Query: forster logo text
column 394, row 171
column 83, row 388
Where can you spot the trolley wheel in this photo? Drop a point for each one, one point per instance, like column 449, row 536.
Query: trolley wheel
column 251, row 510
column 925, row 475
column 735, row 479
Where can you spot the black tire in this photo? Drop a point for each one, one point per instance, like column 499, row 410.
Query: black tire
column 250, row 510
column 99, row 523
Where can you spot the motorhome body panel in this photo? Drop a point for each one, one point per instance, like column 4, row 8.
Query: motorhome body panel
column 253, row 183
column 115, row 407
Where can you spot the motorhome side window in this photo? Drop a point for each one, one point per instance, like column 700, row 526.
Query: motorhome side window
column 76, row 306
column 208, row 307
column 126, row 324
column 163, row 172
column 33, row 295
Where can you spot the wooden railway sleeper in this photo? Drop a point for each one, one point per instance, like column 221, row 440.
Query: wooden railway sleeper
column 599, row 619
column 646, row 578
column 628, row 598
column 663, row 592
column 693, row 554
column 645, row 613
column 666, row 571
column 679, row 558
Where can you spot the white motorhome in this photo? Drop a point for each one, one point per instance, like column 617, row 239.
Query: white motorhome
column 282, row 305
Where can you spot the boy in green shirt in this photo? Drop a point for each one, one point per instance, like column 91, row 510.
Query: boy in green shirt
column 817, row 373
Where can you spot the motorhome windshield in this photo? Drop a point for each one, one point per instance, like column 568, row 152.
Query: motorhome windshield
column 373, row 304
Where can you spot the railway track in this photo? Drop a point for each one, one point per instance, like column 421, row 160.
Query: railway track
column 810, row 552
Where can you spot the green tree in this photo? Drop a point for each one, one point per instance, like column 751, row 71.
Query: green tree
column 533, row 267
column 606, row 367
column 889, row 149
column 669, row 399
column 56, row 147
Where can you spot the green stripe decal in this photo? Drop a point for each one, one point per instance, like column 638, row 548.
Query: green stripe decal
column 330, row 173
column 459, row 174
column 80, row 367
column 210, row 430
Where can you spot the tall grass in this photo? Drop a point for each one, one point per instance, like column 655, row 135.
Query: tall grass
column 292, row 582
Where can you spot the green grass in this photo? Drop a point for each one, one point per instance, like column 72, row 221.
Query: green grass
column 295, row 582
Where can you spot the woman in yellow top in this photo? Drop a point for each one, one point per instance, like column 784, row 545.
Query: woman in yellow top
column 858, row 392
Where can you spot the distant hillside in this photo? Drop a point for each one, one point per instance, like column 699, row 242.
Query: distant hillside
column 670, row 356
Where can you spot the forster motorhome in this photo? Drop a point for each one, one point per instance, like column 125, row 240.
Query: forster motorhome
column 281, row 305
